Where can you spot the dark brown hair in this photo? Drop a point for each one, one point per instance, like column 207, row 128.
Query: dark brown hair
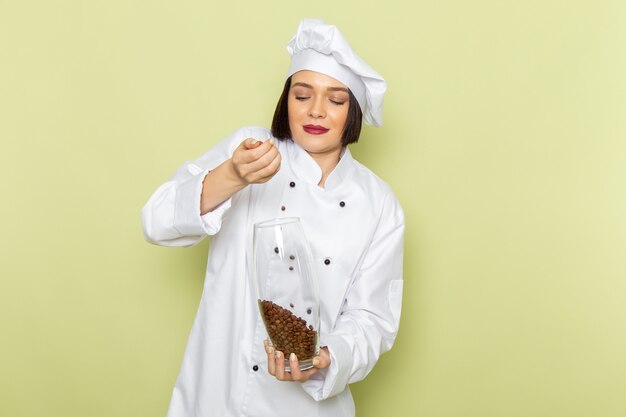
column 280, row 123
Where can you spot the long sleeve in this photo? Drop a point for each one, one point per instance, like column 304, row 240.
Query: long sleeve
column 171, row 217
column 369, row 320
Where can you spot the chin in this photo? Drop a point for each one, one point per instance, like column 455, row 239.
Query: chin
column 315, row 143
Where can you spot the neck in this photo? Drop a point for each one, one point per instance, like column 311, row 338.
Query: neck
column 327, row 162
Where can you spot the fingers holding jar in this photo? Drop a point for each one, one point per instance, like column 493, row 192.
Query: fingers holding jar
column 276, row 364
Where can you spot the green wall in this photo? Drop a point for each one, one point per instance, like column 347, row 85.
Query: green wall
column 504, row 139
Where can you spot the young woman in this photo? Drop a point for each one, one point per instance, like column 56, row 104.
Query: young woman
column 301, row 168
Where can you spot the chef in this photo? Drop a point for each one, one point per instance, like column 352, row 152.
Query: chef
column 302, row 168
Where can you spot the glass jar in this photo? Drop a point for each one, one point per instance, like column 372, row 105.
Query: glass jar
column 287, row 288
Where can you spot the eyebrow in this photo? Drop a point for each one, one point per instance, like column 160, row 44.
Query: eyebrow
column 329, row 88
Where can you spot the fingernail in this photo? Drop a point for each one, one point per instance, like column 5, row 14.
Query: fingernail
column 292, row 357
column 277, row 354
column 271, row 141
column 270, row 350
column 316, row 361
column 253, row 141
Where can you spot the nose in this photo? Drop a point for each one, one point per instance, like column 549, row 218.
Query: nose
column 317, row 109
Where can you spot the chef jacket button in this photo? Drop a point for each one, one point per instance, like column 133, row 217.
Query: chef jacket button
column 255, row 368
column 292, row 184
column 326, row 261
column 342, row 204
column 282, row 208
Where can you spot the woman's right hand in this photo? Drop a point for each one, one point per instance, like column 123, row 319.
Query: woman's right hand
column 253, row 162
column 256, row 162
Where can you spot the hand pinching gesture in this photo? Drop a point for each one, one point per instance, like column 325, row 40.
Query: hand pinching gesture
column 255, row 162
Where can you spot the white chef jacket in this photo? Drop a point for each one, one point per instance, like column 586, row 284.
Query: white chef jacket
column 355, row 227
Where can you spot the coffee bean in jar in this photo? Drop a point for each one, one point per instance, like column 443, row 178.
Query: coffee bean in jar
column 288, row 332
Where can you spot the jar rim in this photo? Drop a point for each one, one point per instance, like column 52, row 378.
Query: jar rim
column 276, row 222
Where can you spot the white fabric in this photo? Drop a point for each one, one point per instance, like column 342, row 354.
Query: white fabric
column 320, row 47
column 310, row 59
column 360, row 289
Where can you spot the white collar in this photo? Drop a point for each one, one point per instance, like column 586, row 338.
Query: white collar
column 306, row 169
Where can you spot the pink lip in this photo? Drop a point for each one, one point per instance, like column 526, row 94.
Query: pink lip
column 315, row 129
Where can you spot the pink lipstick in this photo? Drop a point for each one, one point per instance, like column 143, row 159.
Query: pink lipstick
column 315, row 129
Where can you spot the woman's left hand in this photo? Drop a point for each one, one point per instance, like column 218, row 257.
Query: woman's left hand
column 276, row 364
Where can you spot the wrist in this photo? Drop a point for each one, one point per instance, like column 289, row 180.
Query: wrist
column 219, row 185
column 233, row 176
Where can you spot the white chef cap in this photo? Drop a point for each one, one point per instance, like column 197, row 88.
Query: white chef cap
column 320, row 47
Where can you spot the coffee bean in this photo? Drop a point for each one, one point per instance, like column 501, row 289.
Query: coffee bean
column 288, row 332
